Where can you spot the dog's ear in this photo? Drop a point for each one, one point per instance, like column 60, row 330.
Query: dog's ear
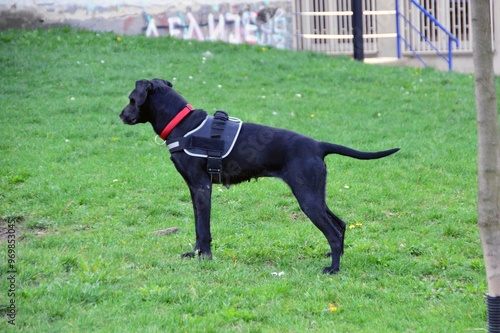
column 140, row 94
column 160, row 83
column 168, row 83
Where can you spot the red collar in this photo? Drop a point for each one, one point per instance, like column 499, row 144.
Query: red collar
column 177, row 119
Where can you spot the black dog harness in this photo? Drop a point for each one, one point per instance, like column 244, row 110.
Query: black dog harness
column 213, row 139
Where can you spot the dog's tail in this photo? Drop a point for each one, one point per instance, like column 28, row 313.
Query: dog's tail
column 331, row 148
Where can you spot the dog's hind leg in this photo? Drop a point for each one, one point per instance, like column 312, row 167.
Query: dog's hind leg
column 308, row 184
column 338, row 225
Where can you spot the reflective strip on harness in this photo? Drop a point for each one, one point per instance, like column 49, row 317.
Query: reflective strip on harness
column 173, row 145
column 213, row 139
column 195, row 143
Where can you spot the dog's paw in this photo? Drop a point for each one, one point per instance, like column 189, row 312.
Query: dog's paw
column 330, row 270
column 206, row 255
column 188, row 255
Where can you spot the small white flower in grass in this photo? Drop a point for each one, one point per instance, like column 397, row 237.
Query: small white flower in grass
column 263, row 97
column 174, row 79
column 72, row 99
column 346, row 186
column 78, row 63
column 204, row 82
column 102, row 61
column 66, row 140
column 298, row 95
column 190, row 77
column 278, row 273
column 219, row 86
column 275, row 113
column 379, row 114
column 115, row 180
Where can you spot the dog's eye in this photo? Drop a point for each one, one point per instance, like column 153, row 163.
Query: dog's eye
column 132, row 101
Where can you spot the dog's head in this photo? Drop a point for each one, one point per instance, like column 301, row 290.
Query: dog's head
column 150, row 100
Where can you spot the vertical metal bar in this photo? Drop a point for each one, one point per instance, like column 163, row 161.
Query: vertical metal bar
column 334, row 27
column 398, row 31
column 368, row 43
column 319, row 26
column 348, row 43
column 323, row 26
column 310, row 25
column 459, row 21
column 450, row 55
column 443, row 15
column 374, row 26
column 430, row 31
column 406, row 13
column 357, row 29
column 343, row 26
column 331, row 29
column 414, row 18
column 314, row 25
column 295, row 28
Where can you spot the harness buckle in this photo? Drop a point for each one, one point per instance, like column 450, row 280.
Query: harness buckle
column 214, row 168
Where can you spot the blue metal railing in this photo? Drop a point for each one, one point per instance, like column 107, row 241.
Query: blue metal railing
column 451, row 37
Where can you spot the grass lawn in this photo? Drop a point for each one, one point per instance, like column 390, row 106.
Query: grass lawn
column 86, row 194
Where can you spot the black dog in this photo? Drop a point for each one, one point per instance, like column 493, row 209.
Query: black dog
column 259, row 151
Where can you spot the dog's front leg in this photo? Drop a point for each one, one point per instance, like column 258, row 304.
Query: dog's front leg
column 201, row 195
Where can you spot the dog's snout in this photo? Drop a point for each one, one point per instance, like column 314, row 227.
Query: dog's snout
column 122, row 116
column 127, row 117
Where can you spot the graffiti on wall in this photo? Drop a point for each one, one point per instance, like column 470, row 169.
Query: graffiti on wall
column 251, row 24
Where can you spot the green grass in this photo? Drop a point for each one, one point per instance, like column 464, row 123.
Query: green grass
column 88, row 193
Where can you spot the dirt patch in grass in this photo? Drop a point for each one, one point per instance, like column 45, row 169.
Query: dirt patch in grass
column 17, row 225
column 167, row 231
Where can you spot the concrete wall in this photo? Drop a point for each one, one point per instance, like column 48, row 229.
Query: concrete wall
column 253, row 22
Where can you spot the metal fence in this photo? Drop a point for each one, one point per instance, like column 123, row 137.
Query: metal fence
column 432, row 37
column 453, row 14
column 325, row 25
